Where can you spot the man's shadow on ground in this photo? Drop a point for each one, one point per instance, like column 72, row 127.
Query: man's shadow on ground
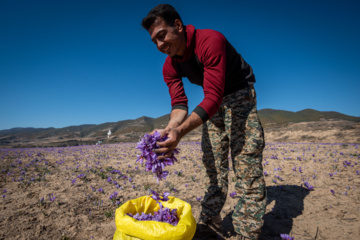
column 289, row 203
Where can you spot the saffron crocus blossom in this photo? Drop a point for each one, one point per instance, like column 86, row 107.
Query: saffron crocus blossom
column 81, row 176
column 51, row 197
column 113, row 196
column 147, row 145
column 347, row 163
column 233, row 194
column 332, row 191
column 109, row 179
column 286, row 237
column 308, row 186
column 157, row 197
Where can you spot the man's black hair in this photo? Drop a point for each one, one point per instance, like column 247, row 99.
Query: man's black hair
column 166, row 11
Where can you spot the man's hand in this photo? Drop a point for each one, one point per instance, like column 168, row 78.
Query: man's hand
column 175, row 134
column 159, row 131
column 170, row 144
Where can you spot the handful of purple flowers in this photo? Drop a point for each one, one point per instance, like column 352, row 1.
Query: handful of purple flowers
column 146, row 145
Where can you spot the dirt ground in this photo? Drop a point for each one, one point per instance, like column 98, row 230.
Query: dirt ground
column 63, row 193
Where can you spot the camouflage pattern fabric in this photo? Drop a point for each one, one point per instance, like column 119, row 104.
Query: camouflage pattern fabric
column 235, row 127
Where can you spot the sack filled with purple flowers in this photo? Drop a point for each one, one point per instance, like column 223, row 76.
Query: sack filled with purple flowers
column 148, row 217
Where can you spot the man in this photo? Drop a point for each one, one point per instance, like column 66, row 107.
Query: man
column 228, row 114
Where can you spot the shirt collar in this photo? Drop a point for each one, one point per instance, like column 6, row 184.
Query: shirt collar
column 190, row 41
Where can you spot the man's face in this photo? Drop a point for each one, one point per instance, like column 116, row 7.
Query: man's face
column 169, row 40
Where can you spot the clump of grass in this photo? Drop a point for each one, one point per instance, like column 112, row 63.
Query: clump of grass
column 102, row 175
column 169, row 185
column 109, row 213
column 147, row 186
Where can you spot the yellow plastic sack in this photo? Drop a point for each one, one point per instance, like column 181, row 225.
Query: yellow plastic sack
column 128, row 228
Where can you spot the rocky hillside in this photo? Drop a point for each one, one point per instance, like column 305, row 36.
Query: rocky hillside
column 280, row 126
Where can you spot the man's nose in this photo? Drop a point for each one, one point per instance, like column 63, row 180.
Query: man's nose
column 159, row 44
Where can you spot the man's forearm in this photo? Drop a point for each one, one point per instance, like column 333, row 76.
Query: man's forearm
column 177, row 117
column 192, row 122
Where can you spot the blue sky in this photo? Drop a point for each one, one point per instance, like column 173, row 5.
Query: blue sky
column 65, row 63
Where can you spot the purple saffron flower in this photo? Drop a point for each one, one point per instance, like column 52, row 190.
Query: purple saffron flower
column 73, row 181
column 232, row 194
column 198, row 198
column 51, row 197
column 308, row 186
column 332, row 191
column 157, row 197
column 286, row 237
column 113, row 196
column 346, row 163
column 81, row 176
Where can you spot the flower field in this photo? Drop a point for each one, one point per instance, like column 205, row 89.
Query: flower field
column 72, row 192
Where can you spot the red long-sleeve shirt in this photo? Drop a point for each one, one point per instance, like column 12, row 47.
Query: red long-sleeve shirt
column 211, row 62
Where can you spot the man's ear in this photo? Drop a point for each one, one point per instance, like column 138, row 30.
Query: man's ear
column 179, row 25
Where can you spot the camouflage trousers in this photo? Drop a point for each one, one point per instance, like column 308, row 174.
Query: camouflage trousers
column 235, row 127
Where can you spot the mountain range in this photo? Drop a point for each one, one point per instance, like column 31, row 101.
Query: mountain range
column 132, row 130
